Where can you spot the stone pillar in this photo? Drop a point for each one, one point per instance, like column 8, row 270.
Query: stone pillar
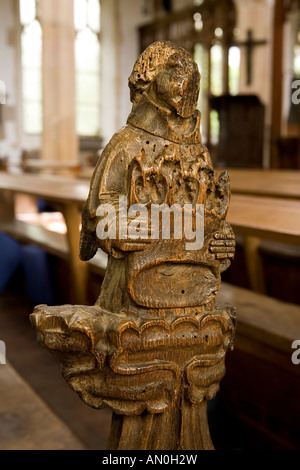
column 59, row 139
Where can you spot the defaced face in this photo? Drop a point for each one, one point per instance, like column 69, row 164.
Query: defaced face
column 177, row 85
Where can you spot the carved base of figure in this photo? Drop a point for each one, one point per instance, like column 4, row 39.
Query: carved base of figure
column 181, row 427
column 156, row 374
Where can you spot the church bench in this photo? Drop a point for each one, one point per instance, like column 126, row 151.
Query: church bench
column 266, row 330
column 50, row 166
column 262, row 315
column 284, row 184
column 264, row 217
column 259, row 217
column 260, row 372
column 252, row 217
column 271, row 218
column 36, row 166
column 261, row 386
column 53, row 188
column 51, row 242
column 26, row 422
column 67, row 195
column 262, row 318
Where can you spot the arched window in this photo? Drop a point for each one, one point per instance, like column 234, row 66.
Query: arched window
column 219, row 63
column 87, row 65
column 234, row 63
column 31, row 61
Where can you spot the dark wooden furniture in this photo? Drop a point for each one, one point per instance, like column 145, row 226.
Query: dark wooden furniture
column 261, row 388
column 272, row 260
column 241, row 131
column 283, row 184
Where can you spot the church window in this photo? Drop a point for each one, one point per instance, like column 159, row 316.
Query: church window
column 31, row 61
column 87, row 65
column 216, row 69
column 234, row 63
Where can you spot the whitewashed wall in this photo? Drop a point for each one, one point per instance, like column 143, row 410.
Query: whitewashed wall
column 9, row 129
column 12, row 140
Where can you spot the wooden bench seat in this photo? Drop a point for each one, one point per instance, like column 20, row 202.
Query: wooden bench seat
column 261, row 386
column 268, row 183
column 52, row 242
column 26, row 422
column 50, row 166
column 262, row 318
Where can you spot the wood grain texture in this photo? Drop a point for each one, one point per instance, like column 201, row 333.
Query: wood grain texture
column 52, row 188
column 263, row 319
column 266, row 217
column 153, row 346
column 284, row 184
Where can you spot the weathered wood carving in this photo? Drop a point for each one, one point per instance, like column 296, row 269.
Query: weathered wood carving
column 153, row 346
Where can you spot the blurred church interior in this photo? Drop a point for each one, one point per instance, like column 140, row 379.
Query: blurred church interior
column 64, row 68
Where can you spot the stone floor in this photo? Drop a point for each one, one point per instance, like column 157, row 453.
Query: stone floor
column 84, row 427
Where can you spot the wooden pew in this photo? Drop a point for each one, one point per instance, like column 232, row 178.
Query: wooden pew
column 252, row 217
column 266, row 328
column 284, row 184
column 27, row 423
column 258, row 217
column 52, row 242
column 275, row 184
column 272, row 218
column 50, row 166
column 68, row 196
column 261, row 385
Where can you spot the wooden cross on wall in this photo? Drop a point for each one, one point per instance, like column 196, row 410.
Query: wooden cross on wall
column 250, row 43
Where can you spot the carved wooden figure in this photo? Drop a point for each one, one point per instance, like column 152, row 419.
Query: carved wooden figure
column 153, row 346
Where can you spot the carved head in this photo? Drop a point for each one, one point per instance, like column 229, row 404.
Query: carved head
column 169, row 75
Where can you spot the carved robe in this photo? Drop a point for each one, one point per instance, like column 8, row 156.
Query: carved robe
column 158, row 158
